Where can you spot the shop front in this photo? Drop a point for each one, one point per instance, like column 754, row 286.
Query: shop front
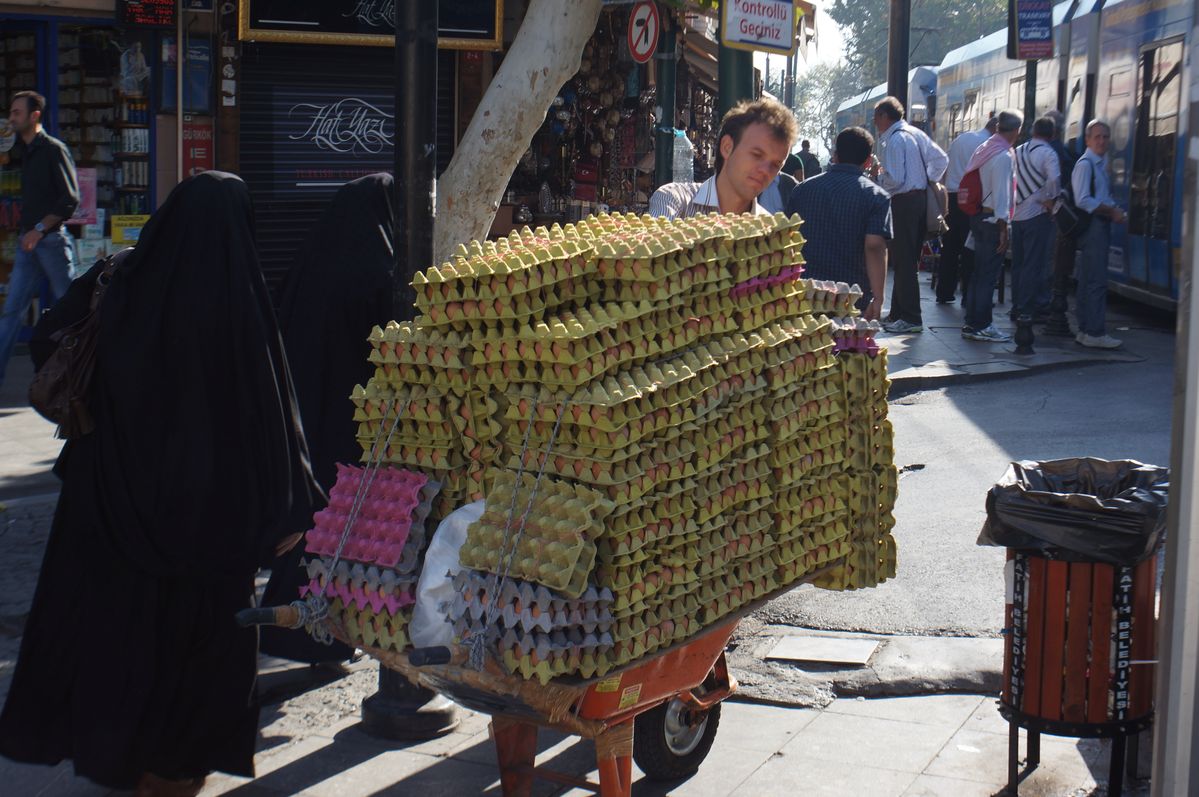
column 108, row 73
column 316, row 103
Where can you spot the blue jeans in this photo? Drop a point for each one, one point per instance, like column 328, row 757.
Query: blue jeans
column 1032, row 243
column 55, row 256
column 1091, row 299
column 987, row 263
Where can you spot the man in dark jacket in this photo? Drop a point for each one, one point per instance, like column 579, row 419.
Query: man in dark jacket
column 49, row 196
column 1065, row 246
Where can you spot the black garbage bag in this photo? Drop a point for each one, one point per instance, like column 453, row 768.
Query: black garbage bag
column 1079, row 510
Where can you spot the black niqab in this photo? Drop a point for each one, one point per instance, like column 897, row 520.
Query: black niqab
column 338, row 289
column 131, row 660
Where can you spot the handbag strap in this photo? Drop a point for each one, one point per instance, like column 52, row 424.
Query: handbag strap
column 111, row 264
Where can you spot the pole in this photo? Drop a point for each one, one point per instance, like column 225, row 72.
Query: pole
column 415, row 147
column 401, row 710
column 1176, row 727
column 667, row 57
column 735, row 69
column 897, row 50
column 180, row 57
column 1030, row 99
column 789, row 92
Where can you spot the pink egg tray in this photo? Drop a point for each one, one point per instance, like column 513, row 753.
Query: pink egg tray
column 384, row 522
column 789, row 274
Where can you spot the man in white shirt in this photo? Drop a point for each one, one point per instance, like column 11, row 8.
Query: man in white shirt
column 957, row 262
column 990, row 228
column 1093, row 193
column 755, row 138
column 909, row 160
column 1038, row 182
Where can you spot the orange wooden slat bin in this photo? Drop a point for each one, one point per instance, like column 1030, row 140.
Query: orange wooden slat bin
column 1078, row 655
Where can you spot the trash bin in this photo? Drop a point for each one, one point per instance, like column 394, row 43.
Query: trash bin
column 1082, row 538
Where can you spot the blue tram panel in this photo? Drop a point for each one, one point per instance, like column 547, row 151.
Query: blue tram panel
column 1140, row 91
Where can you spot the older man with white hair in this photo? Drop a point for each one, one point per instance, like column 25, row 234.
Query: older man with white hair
column 1093, row 193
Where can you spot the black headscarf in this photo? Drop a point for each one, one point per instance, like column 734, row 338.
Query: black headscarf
column 203, row 456
column 338, row 289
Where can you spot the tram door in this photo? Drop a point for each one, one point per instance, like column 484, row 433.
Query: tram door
column 1153, row 191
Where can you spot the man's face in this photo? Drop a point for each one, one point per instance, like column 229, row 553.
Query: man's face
column 1098, row 139
column 881, row 121
column 19, row 117
column 752, row 163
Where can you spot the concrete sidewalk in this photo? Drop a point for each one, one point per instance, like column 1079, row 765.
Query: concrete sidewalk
column 936, row 746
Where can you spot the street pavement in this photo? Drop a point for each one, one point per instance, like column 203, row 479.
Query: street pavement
column 957, row 426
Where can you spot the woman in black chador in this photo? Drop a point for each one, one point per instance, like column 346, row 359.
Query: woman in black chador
column 132, row 664
column 337, row 290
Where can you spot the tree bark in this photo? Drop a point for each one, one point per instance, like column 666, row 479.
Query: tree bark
column 544, row 55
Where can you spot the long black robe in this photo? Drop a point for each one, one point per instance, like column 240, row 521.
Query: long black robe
column 339, row 287
column 131, row 660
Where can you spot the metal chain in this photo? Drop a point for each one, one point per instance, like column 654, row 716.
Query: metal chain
column 477, row 643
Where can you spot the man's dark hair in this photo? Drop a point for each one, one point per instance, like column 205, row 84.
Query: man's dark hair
column 33, row 100
column 768, row 112
column 854, row 146
column 806, row 144
column 890, row 107
column 1044, row 127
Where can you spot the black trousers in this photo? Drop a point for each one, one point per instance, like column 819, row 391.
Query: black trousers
column 908, row 212
column 957, row 262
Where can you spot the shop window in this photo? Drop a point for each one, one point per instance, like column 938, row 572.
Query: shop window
column 1155, row 146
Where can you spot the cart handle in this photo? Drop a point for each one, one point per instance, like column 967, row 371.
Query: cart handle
column 282, row 616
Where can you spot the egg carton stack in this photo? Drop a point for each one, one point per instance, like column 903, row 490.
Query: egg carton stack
column 369, row 573
column 441, row 370
column 869, row 468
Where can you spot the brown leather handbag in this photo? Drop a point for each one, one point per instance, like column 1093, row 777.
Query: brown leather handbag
column 60, row 386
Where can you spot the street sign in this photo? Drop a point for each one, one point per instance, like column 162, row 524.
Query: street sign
column 764, row 25
column 644, row 25
column 1030, row 29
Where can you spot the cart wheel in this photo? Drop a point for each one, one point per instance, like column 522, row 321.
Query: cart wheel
column 670, row 741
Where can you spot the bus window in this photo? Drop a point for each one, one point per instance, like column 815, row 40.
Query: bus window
column 955, row 121
column 970, row 120
column 1015, row 94
column 1159, row 84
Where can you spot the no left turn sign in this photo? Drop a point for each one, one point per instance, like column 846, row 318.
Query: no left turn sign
column 644, row 25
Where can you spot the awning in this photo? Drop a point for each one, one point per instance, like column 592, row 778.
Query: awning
column 700, row 51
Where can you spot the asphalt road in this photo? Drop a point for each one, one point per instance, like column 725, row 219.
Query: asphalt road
column 964, row 437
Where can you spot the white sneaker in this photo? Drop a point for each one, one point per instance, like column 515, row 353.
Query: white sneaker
column 1099, row 341
column 988, row 335
column 901, row 327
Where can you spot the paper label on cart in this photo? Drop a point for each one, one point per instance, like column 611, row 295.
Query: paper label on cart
column 608, row 684
column 629, row 697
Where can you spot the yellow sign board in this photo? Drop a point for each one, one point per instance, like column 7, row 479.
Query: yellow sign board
column 126, row 229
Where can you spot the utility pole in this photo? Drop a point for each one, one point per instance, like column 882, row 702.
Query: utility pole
column 1030, row 99
column 400, row 709
column 789, row 93
column 897, row 50
column 667, row 59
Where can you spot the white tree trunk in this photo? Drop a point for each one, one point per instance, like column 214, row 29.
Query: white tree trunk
column 544, row 55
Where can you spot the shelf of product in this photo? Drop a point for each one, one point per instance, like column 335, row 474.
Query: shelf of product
column 666, row 422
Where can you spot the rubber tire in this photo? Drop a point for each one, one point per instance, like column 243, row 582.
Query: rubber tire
column 655, row 758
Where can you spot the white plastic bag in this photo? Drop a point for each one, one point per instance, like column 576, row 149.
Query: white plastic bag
column 430, row 624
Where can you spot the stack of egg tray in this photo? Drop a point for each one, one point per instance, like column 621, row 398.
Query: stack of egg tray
column 371, row 585
column 537, row 632
column 871, row 473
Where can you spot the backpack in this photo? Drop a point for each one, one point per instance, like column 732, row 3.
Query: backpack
column 970, row 193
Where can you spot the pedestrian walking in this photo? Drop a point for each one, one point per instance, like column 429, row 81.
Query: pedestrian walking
column 754, row 140
column 847, row 221
column 1093, row 194
column 811, row 164
column 49, row 196
column 132, row 664
column 338, row 289
column 990, row 228
column 956, row 261
column 910, row 160
column 1038, row 181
